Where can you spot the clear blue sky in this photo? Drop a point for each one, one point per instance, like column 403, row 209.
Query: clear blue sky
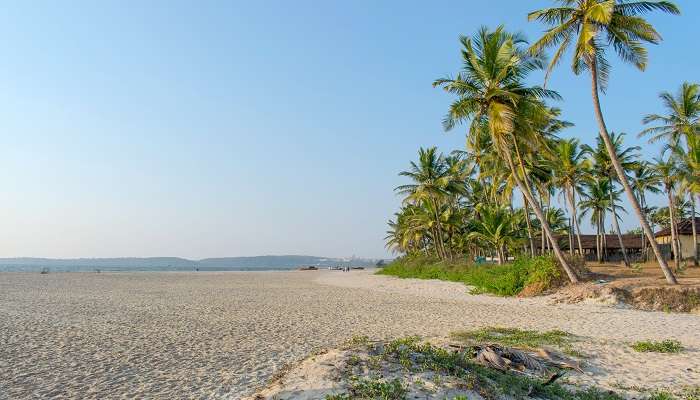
column 202, row 129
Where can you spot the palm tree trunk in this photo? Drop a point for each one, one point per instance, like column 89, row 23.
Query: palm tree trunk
column 578, row 228
column 438, row 227
column 598, row 242
column 435, row 243
column 571, row 236
column 529, row 226
column 643, row 204
column 525, row 189
column 572, row 210
column 617, row 228
column 670, row 278
column 547, row 200
column 695, row 233
column 604, row 238
column 542, row 234
column 671, row 214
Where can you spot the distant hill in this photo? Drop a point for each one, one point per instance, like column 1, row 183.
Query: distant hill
column 176, row 263
column 276, row 261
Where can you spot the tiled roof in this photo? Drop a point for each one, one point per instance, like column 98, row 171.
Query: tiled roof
column 684, row 228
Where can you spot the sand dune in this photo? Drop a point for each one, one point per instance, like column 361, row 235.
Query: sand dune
column 223, row 334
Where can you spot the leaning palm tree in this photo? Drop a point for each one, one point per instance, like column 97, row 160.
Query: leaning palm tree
column 682, row 118
column 588, row 26
column 490, row 91
column 668, row 172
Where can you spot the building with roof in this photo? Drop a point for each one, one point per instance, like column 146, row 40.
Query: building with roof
column 685, row 235
column 611, row 249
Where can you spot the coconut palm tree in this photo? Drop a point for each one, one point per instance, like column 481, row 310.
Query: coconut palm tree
column 490, row 91
column 602, row 165
column 596, row 201
column 498, row 228
column 431, row 183
column 645, row 180
column 668, row 172
column 589, row 26
column 568, row 165
column 689, row 162
column 682, row 118
column 681, row 122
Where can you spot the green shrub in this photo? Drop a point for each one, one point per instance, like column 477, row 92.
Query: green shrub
column 664, row 346
column 502, row 280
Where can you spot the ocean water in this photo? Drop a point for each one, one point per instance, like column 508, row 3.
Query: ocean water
column 87, row 268
column 130, row 264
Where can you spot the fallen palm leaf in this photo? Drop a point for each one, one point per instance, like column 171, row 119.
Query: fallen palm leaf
column 505, row 358
column 489, row 357
column 557, row 360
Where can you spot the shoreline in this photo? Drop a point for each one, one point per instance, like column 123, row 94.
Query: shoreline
column 104, row 271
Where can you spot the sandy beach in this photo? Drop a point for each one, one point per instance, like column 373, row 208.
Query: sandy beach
column 224, row 334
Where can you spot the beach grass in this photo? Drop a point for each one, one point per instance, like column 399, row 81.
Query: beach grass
column 663, row 346
column 414, row 356
column 372, row 388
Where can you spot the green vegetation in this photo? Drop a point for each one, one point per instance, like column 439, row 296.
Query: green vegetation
column 514, row 337
column 691, row 393
column 664, row 346
column 683, row 393
column 358, row 340
column 661, row 395
column 372, row 389
column 502, row 280
column 686, row 393
column 416, row 356
column 462, row 205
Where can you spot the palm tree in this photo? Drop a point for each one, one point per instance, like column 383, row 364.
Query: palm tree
column 602, row 165
column 490, row 91
column 588, row 26
column 667, row 170
column 539, row 175
column 430, row 186
column 568, row 165
column 411, row 231
column 690, row 180
column 497, row 227
column 556, row 218
column 682, row 119
column 645, row 180
column 596, row 200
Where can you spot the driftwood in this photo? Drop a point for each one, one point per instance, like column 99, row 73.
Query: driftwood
column 509, row 359
column 557, row 360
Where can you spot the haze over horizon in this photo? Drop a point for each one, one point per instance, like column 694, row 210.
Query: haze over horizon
column 223, row 129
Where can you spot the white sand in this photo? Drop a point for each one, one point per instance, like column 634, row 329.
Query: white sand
column 221, row 335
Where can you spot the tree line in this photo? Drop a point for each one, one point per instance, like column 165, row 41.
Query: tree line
column 462, row 203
